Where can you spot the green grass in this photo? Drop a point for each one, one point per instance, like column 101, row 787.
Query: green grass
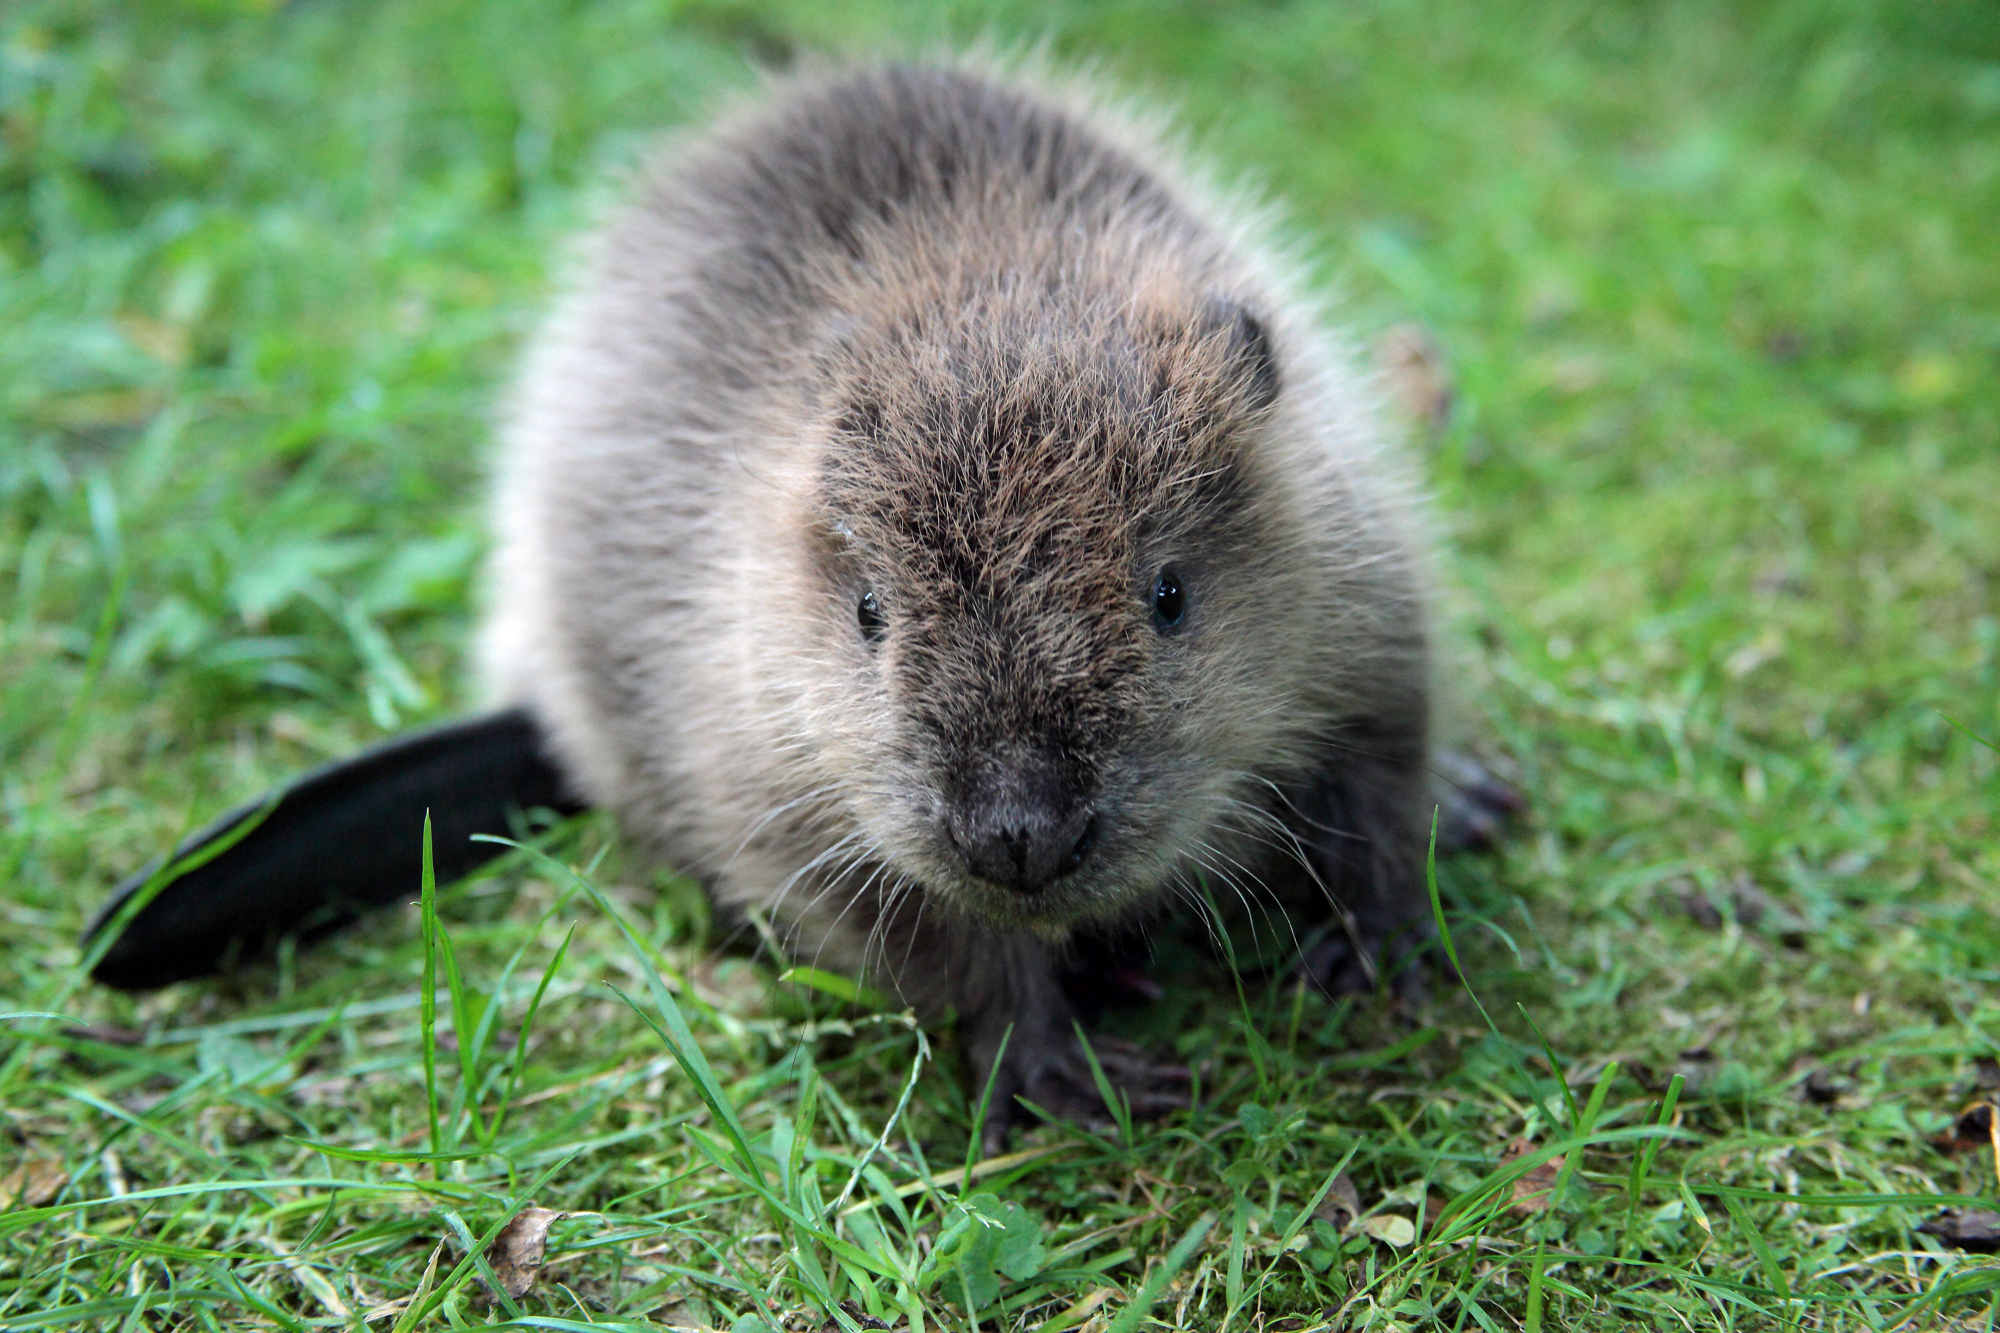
column 1721, row 285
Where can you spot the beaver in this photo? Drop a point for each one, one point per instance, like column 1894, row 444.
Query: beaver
column 937, row 520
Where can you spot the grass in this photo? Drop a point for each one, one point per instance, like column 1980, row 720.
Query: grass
column 1720, row 286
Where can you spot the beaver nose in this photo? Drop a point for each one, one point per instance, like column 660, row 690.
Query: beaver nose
column 1023, row 831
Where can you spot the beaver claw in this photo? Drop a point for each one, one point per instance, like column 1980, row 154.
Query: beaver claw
column 1064, row 1088
column 1474, row 803
column 1474, row 806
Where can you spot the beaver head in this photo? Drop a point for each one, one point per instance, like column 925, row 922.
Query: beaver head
column 1050, row 573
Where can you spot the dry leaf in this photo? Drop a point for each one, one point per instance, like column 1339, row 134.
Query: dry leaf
column 1089, row 1305
column 1416, row 374
column 1966, row 1229
column 165, row 342
column 107, row 1033
column 1531, row 1191
column 88, row 411
column 1391, row 1229
column 1341, row 1205
column 683, row 1317
column 1977, row 1128
column 516, row 1253
column 1974, row 1128
column 33, row 1183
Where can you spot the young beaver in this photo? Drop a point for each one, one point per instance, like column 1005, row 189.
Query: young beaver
column 930, row 521
column 933, row 521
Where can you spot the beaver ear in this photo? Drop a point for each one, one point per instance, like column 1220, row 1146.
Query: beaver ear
column 1249, row 350
column 316, row 853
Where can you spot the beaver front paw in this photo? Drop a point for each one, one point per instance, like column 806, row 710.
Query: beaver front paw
column 1059, row 1084
column 1473, row 803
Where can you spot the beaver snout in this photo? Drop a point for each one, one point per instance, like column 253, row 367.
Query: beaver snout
column 1023, row 829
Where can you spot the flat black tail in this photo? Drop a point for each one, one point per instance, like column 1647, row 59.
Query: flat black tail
column 342, row 839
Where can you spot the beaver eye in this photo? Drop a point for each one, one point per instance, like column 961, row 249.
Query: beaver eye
column 868, row 614
column 1169, row 601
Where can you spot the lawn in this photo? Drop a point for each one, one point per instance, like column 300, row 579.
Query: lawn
column 1719, row 287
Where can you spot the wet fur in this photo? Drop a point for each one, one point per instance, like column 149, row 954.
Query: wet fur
column 984, row 349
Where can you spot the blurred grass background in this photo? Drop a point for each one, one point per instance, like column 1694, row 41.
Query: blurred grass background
column 1720, row 287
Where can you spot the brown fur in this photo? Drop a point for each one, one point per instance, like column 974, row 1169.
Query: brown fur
column 983, row 350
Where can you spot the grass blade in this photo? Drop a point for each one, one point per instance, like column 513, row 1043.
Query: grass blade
column 1555, row 1069
column 527, row 1028
column 975, row 1145
column 1451, row 953
column 1164, row 1272
column 1115, row 1101
column 427, row 1015
column 1586, row 1121
column 1642, row 1161
column 1774, row 1273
